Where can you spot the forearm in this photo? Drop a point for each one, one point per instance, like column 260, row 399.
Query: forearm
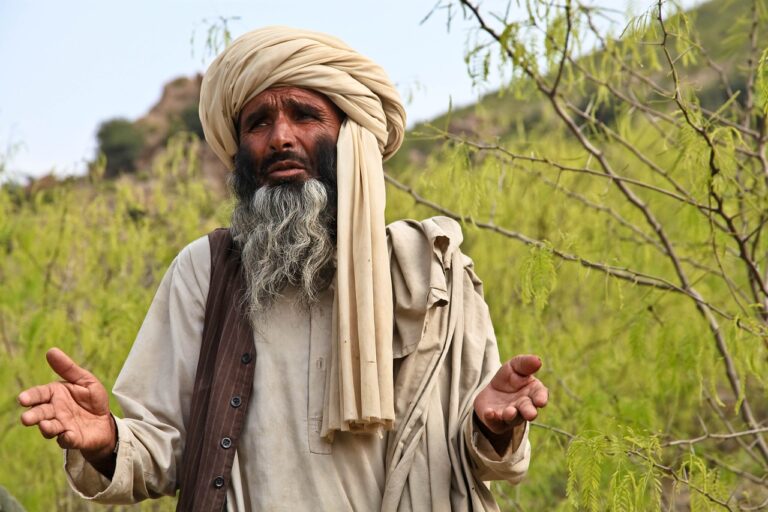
column 507, row 459
column 140, row 469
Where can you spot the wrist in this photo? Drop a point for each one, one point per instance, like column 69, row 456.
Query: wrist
column 499, row 440
column 108, row 450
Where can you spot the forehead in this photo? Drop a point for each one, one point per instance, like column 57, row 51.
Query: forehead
column 286, row 96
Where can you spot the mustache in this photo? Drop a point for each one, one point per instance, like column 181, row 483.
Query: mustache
column 282, row 156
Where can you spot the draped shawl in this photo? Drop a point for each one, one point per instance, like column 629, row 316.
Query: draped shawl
column 360, row 387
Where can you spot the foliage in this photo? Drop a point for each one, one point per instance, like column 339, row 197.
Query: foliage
column 80, row 264
column 121, row 142
column 614, row 212
column 633, row 177
column 190, row 118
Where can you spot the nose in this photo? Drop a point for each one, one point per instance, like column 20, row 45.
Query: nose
column 282, row 136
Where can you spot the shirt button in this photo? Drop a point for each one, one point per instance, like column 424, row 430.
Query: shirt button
column 218, row 482
column 246, row 358
column 236, row 401
column 225, row 442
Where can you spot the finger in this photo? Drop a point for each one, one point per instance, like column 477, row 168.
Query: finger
column 36, row 395
column 50, row 428
column 540, row 395
column 66, row 368
column 509, row 414
column 489, row 416
column 525, row 365
column 493, row 421
column 508, row 380
column 527, row 410
column 38, row 414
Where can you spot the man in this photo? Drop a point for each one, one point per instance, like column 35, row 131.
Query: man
column 308, row 358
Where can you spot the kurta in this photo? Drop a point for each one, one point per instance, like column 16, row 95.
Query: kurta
column 282, row 462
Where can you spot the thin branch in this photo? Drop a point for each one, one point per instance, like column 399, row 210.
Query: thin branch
column 705, row 311
column 749, row 103
column 735, row 290
column 707, row 435
column 730, row 368
column 568, row 168
column 761, row 506
column 626, row 274
column 747, row 449
column 564, row 58
column 736, row 471
column 553, row 429
column 671, row 472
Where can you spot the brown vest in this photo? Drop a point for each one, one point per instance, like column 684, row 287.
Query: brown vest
column 222, row 385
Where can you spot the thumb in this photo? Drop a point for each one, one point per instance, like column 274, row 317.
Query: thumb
column 516, row 373
column 66, row 368
column 525, row 365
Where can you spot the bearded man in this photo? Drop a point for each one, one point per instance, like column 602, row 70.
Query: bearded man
column 307, row 358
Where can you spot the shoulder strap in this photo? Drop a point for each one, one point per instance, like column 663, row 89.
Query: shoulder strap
column 223, row 383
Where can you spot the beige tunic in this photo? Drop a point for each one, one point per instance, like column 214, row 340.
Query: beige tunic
column 281, row 463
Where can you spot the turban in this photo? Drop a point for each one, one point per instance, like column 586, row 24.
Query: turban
column 359, row 388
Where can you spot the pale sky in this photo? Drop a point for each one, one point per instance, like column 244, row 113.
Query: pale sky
column 69, row 65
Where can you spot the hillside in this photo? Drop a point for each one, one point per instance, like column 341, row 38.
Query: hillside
column 618, row 221
column 497, row 116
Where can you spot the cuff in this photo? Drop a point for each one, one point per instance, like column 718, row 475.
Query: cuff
column 511, row 465
column 89, row 483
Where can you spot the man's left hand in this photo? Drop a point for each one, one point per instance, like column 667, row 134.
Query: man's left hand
column 513, row 396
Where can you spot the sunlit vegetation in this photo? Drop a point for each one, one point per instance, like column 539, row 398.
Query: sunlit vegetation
column 614, row 204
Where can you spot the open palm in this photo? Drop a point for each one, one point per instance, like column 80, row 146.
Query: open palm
column 75, row 410
column 514, row 395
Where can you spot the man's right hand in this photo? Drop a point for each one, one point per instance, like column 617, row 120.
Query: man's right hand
column 75, row 411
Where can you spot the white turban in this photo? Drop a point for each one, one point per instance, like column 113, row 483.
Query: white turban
column 359, row 393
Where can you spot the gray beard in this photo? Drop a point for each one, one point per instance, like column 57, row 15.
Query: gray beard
column 285, row 239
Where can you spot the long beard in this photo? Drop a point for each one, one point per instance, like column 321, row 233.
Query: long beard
column 286, row 237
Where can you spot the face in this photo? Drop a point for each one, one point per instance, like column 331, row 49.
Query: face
column 280, row 131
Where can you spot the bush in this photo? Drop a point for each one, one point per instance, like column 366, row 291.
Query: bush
column 121, row 142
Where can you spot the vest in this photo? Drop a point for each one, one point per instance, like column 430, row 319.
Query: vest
column 223, row 383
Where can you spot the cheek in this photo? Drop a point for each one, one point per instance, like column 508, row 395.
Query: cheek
column 254, row 145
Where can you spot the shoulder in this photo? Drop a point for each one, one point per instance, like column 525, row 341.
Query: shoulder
column 433, row 240
column 192, row 267
column 196, row 256
column 439, row 231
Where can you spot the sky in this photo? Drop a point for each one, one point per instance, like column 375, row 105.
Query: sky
column 69, row 65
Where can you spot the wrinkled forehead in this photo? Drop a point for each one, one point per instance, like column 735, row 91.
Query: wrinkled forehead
column 289, row 97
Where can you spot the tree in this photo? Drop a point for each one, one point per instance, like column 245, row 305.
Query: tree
column 121, row 142
column 640, row 169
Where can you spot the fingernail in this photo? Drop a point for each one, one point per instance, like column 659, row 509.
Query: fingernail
column 22, row 396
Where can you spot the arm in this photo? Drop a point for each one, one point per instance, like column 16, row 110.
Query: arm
column 154, row 390
column 497, row 431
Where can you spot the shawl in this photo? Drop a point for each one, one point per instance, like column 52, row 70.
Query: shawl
column 360, row 393
column 446, row 352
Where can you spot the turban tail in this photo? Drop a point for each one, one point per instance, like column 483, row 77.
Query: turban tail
column 359, row 391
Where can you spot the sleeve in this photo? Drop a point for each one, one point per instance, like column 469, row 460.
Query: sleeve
column 154, row 389
column 487, row 464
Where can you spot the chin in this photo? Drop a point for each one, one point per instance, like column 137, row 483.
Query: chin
column 293, row 181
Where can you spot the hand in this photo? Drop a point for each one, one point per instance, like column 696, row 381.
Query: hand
column 513, row 396
column 75, row 411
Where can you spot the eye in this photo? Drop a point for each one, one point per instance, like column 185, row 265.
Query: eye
column 305, row 113
column 259, row 122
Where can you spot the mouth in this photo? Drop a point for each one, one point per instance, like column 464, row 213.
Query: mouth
column 285, row 169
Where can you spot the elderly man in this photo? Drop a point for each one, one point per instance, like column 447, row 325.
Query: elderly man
column 307, row 358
